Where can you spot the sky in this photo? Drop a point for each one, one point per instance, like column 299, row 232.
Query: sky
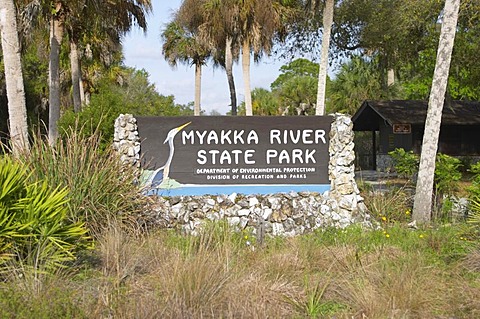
column 144, row 51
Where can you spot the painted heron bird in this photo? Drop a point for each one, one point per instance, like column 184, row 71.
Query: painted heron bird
column 158, row 174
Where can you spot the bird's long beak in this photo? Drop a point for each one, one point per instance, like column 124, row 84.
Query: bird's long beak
column 174, row 132
column 182, row 126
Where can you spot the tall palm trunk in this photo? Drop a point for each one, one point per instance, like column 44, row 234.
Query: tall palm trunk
column 198, row 88
column 56, row 35
column 76, row 76
column 229, row 71
column 322, row 73
column 422, row 207
column 13, row 77
column 246, row 77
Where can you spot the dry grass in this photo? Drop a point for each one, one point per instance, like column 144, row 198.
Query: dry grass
column 215, row 275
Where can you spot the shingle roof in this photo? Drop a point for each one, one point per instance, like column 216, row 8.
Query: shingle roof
column 413, row 112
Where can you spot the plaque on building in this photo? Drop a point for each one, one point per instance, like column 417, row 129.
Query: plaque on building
column 402, row 129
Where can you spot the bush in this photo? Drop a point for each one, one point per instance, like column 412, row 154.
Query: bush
column 136, row 96
column 447, row 174
column 474, row 196
column 35, row 233
column 99, row 187
column 405, row 163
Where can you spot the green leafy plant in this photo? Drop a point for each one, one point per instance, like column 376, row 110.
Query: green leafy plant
column 47, row 240
column 474, row 196
column 405, row 163
column 312, row 304
column 136, row 96
column 447, row 173
column 36, row 234
column 100, row 188
column 11, row 189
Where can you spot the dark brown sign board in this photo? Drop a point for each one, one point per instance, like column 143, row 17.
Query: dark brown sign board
column 225, row 154
column 402, row 129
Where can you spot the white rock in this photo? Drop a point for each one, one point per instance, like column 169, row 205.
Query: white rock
column 253, row 201
column 277, row 229
column 232, row 197
column 267, row 212
column 243, row 212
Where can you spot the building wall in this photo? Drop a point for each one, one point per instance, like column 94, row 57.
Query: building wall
column 389, row 141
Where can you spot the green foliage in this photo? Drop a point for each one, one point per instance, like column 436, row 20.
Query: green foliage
column 264, row 102
column 357, row 80
column 447, row 174
column 417, row 78
column 447, row 169
column 296, row 68
column 390, row 206
column 315, row 305
column 444, row 243
column 296, row 92
column 53, row 301
column 35, row 235
column 475, row 169
column 136, row 96
column 100, row 188
column 474, row 196
column 405, row 163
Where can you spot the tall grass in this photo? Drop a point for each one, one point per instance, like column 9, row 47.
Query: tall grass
column 100, row 188
column 216, row 275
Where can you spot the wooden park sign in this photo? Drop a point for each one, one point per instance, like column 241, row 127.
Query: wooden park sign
column 220, row 154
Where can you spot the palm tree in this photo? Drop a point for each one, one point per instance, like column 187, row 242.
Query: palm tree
column 259, row 22
column 358, row 80
column 93, row 17
column 14, row 77
column 57, row 21
column 62, row 16
column 323, row 70
column 422, row 206
column 182, row 45
column 219, row 30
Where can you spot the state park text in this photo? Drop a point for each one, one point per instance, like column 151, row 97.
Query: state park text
column 247, row 156
column 244, row 150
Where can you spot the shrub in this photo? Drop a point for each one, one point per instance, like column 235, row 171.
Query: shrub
column 136, row 96
column 447, row 174
column 99, row 187
column 405, row 163
column 474, row 196
column 35, row 233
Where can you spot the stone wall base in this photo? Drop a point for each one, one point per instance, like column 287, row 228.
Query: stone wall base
column 276, row 214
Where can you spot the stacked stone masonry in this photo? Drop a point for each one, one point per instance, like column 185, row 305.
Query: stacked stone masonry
column 280, row 214
column 126, row 140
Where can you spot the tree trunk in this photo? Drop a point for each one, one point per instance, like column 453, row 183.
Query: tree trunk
column 76, row 76
column 390, row 77
column 229, row 71
column 17, row 110
column 322, row 73
column 246, row 77
column 82, row 93
column 56, row 35
column 422, row 207
column 198, row 89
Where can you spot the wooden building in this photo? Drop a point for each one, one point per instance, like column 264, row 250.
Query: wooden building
column 401, row 124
